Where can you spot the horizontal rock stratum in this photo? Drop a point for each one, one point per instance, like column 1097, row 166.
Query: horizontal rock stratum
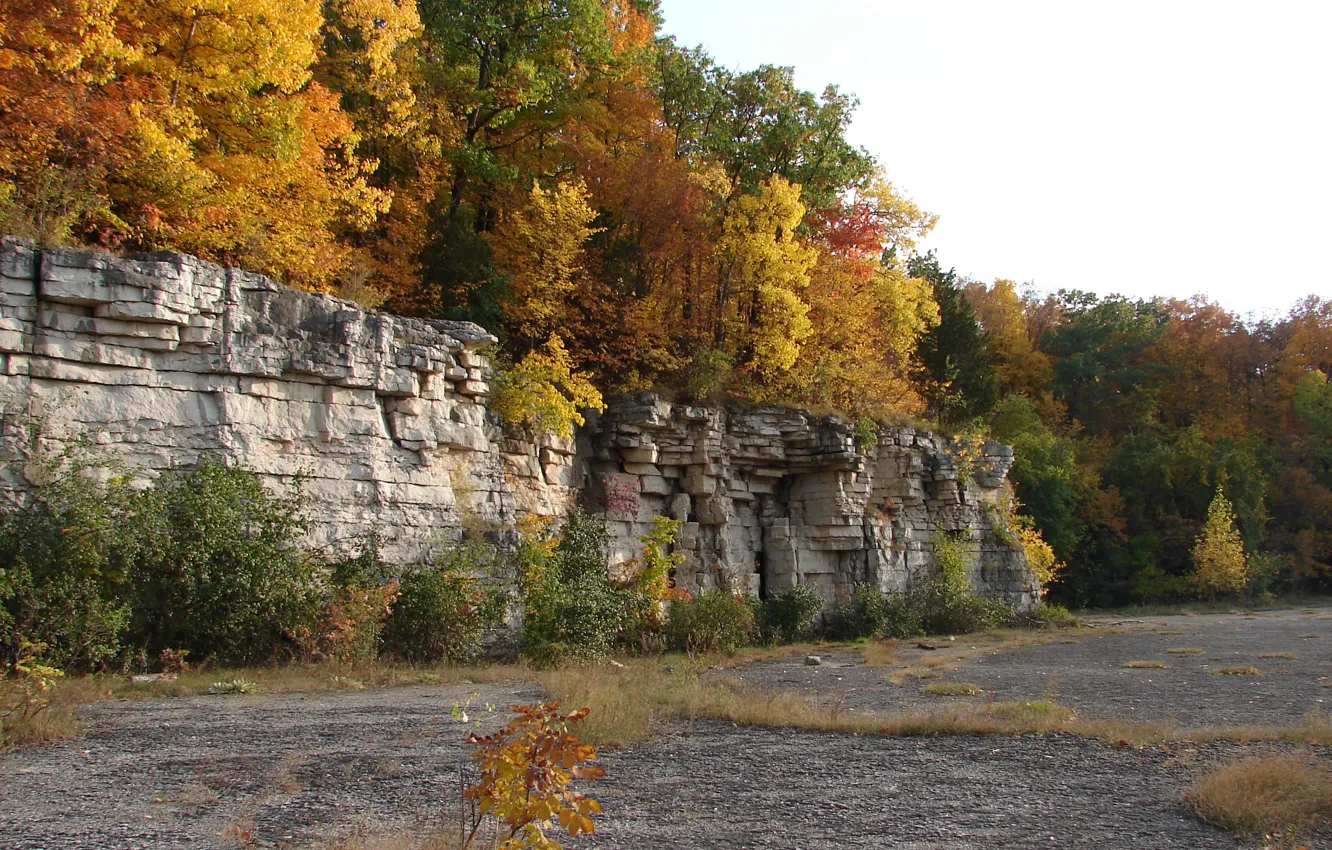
column 162, row 359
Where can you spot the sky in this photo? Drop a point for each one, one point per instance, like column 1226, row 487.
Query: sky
column 1162, row 148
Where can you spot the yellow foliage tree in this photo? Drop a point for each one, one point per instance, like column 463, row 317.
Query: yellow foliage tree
column 765, row 268
column 1019, row 367
column 543, row 392
column 539, row 248
column 1219, row 562
column 192, row 124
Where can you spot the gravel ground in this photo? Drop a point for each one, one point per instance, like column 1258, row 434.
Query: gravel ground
column 286, row 768
column 720, row 786
column 297, row 770
column 1089, row 674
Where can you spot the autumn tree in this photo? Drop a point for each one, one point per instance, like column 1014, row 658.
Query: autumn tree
column 1219, row 562
column 539, row 249
column 760, row 315
column 1019, row 366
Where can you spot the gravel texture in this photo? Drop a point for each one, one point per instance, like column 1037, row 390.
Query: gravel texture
column 285, row 768
column 303, row 770
column 721, row 786
column 1086, row 671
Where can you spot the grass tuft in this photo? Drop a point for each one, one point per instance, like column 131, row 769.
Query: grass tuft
column 1186, row 650
column 953, row 689
column 1241, row 670
column 879, row 653
column 1145, row 665
column 1289, row 656
column 1264, row 795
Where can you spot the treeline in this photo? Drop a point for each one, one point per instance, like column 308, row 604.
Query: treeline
column 553, row 169
column 627, row 214
column 1130, row 417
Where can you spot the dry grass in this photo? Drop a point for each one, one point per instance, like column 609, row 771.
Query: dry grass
column 1264, row 795
column 1289, row 656
column 1146, row 665
column 1241, row 670
column 1186, row 650
column 1310, row 636
column 953, row 689
column 879, row 653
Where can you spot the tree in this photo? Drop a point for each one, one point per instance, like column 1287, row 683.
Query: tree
column 764, row 268
column 957, row 379
column 1219, row 562
column 539, row 249
column 1018, row 365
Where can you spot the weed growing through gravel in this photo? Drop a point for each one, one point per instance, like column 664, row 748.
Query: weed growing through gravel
column 1310, row 636
column 1289, row 656
column 1241, row 670
column 953, row 689
column 1146, row 665
column 235, row 686
column 1186, row 650
column 1270, row 795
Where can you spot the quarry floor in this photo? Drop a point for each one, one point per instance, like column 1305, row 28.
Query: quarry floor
column 307, row 770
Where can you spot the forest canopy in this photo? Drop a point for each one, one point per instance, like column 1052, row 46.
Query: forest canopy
column 627, row 209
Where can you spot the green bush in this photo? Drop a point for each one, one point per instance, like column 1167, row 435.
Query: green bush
column 67, row 552
column 1055, row 615
column 943, row 611
column 872, row 613
column 444, row 609
column 226, row 580
column 571, row 609
column 789, row 616
column 713, row 621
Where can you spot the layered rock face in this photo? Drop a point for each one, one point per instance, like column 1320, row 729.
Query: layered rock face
column 162, row 360
column 772, row 498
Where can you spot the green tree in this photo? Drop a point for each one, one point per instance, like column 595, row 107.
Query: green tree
column 958, row 381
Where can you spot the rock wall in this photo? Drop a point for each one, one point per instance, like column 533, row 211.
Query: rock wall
column 162, row 359
column 772, row 498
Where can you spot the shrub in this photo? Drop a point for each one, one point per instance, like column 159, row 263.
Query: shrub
column 942, row 610
column 944, row 602
column 543, row 392
column 571, row 609
column 67, row 551
column 526, row 770
column 226, row 579
column 789, row 616
column 871, row 612
column 356, row 609
column 444, row 609
column 1055, row 615
column 713, row 621
column 646, row 584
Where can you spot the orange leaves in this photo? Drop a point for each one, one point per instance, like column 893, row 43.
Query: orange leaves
column 526, row 769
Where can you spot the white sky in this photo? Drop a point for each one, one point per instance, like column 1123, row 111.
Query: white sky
column 1147, row 148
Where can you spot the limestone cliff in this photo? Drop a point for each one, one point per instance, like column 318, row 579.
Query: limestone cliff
column 162, row 359
column 773, row 497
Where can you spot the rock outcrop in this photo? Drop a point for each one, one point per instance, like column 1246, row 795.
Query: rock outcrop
column 771, row 498
column 162, row 359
